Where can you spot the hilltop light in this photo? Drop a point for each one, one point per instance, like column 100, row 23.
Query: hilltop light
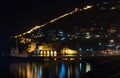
column 77, row 9
column 87, row 7
column 30, row 31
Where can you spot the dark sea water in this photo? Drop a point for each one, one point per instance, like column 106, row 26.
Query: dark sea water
column 45, row 69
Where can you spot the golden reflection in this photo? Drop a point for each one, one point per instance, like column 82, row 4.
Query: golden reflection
column 52, row 69
column 29, row 72
column 55, row 59
column 23, row 72
column 33, row 71
column 72, row 59
column 19, row 71
column 65, row 58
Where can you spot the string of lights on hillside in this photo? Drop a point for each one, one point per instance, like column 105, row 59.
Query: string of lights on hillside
column 62, row 16
column 53, row 20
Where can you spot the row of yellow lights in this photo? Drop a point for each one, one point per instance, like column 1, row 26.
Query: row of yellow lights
column 48, row 53
column 53, row 20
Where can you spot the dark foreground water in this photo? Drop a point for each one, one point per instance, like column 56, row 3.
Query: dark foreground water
column 46, row 69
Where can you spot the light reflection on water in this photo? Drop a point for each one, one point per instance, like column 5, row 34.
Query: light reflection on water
column 62, row 71
column 48, row 69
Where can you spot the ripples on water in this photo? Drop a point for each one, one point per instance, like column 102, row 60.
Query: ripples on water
column 46, row 69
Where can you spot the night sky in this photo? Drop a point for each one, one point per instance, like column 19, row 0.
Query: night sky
column 19, row 16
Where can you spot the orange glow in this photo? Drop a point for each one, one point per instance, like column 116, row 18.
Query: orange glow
column 48, row 53
column 69, row 51
column 55, row 53
column 32, row 47
column 29, row 73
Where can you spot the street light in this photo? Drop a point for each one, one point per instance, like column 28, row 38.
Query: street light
column 111, row 43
